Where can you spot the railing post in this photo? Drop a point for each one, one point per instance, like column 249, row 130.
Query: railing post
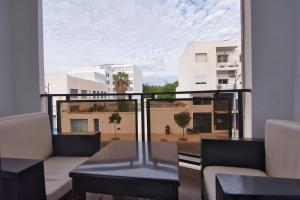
column 50, row 111
column 143, row 117
column 148, row 119
column 230, row 117
column 241, row 114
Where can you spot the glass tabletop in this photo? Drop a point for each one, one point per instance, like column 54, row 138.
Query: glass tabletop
column 133, row 159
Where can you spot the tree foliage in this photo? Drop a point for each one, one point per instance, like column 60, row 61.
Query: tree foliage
column 182, row 120
column 124, row 106
column 121, row 82
column 167, row 87
column 115, row 118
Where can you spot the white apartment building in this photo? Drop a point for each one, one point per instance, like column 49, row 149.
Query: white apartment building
column 100, row 74
column 107, row 71
column 210, row 66
column 65, row 84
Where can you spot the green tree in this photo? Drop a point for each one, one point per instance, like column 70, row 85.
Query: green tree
column 124, row 106
column 182, row 120
column 167, row 87
column 121, row 82
column 115, row 119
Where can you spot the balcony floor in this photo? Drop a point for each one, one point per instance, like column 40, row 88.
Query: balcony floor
column 189, row 188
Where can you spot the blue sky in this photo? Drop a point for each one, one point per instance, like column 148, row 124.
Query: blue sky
column 148, row 33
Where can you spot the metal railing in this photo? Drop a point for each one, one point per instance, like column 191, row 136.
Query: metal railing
column 148, row 107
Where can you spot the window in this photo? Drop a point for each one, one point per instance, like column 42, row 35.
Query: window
column 222, row 58
column 83, row 92
column 96, row 125
column 107, row 82
column 79, row 125
column 107, row 74
column 73, row 91
column 201, row 57
column 223, row 81
column 98, row 93
column 94, row 92
column 201, row 83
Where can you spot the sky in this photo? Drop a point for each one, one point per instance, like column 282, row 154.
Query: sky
column 150, row 34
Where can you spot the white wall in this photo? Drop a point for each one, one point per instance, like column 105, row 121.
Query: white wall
column 273, row 38
column 297, row 60
column 21, row 56
column 6, row 75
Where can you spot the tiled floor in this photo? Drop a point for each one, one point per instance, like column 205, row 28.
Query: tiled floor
column 189, row 187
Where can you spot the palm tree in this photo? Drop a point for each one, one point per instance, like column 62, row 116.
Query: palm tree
column 121, row 82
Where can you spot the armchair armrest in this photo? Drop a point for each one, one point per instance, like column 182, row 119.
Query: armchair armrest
column 248, row 153
column 79, row 145
column 228, row 186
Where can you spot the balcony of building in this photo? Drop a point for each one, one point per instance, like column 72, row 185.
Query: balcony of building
column 229, row 66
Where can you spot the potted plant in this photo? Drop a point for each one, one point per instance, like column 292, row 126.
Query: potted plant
column 182, row 120
column 115, row 119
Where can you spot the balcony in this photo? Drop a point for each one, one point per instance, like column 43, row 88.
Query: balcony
column 148, row 118
column 228, row 66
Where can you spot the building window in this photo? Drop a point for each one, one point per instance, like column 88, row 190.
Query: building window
column 222, row 81
column 73, row 91
column 107, row 82
column 79, row 125
column 107, row 74
column 96, row 125
column 200, row 57
column 94, row 92
column 201, row 83
column 98, row 95
column 222, row 58
column 83, row 92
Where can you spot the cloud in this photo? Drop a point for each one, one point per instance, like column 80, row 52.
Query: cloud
column 148, row 33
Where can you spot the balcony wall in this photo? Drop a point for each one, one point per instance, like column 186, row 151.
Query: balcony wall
column 21, row 56
column 273, row 61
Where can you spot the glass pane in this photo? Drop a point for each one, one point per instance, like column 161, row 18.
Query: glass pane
column 115, row 119
column 187, row 122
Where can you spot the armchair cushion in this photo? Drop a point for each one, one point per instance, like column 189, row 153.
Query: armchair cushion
column 282, row 140
column 58, row 182
column 26, row 136
column 210, row 176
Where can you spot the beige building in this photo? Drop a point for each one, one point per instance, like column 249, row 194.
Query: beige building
column 210, row 66
column 66, row 84
column 87, row 117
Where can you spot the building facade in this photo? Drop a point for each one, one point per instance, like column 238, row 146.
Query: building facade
column 65, row 84
column 210, row 66
column 107, row 71
column 100, row 74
